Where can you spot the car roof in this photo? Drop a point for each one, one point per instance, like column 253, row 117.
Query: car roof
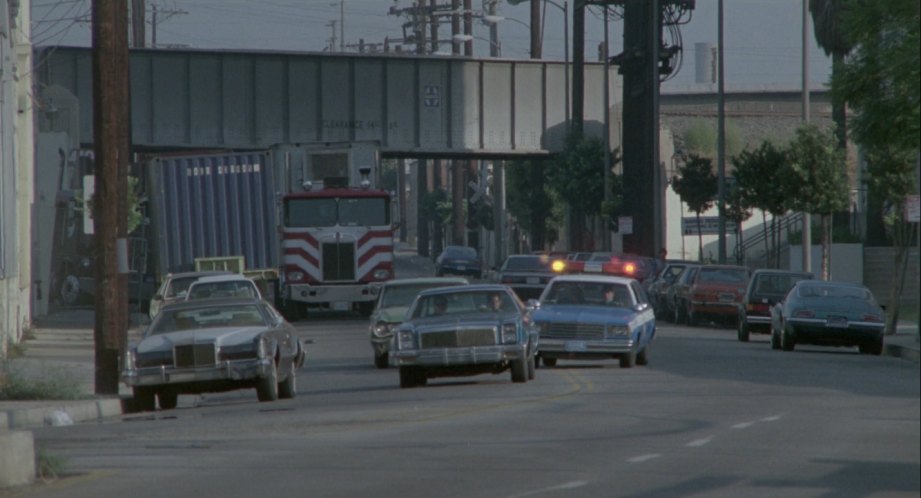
column 212, row 302
column 835, row 283
column 425, row 280
column 774, row 271
column 202, row 273
column 231, row 277
column 467, row 288
column 601, row 279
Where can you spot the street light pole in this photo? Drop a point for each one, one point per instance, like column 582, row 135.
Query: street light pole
column 606, row 243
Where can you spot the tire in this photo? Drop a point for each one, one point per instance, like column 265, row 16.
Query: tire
column 550, row 362
column 532, row 366
column 411, row 377
column 744, row 333
column 680, row 313
column 693, row 318
column 168, row 399
column 642, row 358
column 628, row 360
column 366, row 308
column 874, row 348
column 519, row 371
column 144, row 400
column 267, row 387
column 775, row 341
column 287, row 389
column 381, row 360
column 787, row 343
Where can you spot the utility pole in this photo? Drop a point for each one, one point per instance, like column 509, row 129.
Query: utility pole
column 109, row 103
column 138, row 26
column 721, row 142
column 807, row 219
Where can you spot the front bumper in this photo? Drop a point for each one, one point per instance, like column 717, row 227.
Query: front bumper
column 573, row 347
column 237, row 370
column 445, row 357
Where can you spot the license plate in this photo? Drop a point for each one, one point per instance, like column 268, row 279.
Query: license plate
column 593, row 267
column 837, row 322
column 532, row 280
column 575, row 346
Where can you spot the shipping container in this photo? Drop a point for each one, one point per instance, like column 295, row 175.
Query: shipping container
column 215, row 205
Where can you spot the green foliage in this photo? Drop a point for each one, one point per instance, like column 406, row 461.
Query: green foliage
column 696, row 184
column 880, row 78
column 839, row 235
column 815, row 180
column 50, row 466
column 735, row 206
column 52, row 383
column 758, row 178
column 701, row 138
column 390, row 175
column 524, row 194
column 578, row 176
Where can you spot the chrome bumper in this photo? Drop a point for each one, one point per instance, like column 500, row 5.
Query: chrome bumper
column 437, row 357
column 567, row 346
column 228, row 370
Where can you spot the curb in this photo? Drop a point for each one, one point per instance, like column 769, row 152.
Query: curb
column 63, row 413
column 902, row 352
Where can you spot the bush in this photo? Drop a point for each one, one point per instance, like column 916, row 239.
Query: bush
column 51, row 383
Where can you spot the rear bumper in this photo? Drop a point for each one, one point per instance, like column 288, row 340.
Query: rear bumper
column 818, row 332
column 307, row 293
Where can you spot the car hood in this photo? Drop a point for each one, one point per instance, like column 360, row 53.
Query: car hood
column 391, row 314
column 222, row 336
column 584, row 314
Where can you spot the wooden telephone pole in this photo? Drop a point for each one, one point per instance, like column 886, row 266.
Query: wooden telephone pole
column 110, row 147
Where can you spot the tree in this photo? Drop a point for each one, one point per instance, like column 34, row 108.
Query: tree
column 528, row 199
column 816, row 180
column 828, row 27
column 757, row 175
column 577, row 176
column 736, row 210
column 697, row 186
column 879, row 80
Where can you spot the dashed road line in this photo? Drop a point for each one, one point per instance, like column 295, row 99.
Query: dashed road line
column 561, row 487
column 643, row 458
column 700, row 442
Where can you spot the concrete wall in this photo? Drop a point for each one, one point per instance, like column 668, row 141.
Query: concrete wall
column 879, row 271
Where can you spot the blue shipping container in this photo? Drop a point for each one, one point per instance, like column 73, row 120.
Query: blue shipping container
column 210, row 206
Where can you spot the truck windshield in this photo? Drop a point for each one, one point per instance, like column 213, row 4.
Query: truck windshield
column 327, row 212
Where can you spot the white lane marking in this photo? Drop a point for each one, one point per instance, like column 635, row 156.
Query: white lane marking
column 700, row 442
column 773, row 418
column 643, row 458
column 743, row 425
column 565, row 485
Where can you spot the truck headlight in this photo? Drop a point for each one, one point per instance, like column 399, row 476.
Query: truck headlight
column 381, row 274
column 509, row 333
column 295, row 276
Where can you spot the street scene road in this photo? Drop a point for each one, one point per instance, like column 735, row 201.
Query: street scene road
column 709, row 416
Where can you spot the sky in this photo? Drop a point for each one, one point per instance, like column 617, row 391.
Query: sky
column 763, row 38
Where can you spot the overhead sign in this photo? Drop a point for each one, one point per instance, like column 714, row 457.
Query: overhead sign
column 709, row 225
column 432, row 96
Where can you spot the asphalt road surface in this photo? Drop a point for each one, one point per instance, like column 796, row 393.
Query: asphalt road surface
column 708, row 417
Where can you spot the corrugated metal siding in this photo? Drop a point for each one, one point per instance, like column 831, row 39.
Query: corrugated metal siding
column 213, row 205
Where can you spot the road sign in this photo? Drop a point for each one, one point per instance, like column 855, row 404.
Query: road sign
column 709, row 225
column 913, row 208
column 432, row 96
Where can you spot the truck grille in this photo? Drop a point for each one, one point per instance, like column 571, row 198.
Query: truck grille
column 193, row 355
column 339, row 261
column 582, row 331
column 459, row 338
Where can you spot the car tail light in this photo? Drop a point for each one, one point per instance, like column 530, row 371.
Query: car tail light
column 758, row 308
column 803, row 314
column 872, row 318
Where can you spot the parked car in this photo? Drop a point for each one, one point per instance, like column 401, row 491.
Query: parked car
column 458, row 260
column 828, row 313
column 658, row 286
column 394, row 299
column 527, row 274
column 676, row 297
column 213, row 345
column 590, row 317
column 716, row 293
column 766, row 288
column 465, row 330
column 174, row 288
column 218, row 286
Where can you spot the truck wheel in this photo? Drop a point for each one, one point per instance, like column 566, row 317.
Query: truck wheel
column 144, row 400
column 519, row 371
column 168, row 399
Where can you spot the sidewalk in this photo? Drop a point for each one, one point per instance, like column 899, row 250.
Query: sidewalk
column 63, row 343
